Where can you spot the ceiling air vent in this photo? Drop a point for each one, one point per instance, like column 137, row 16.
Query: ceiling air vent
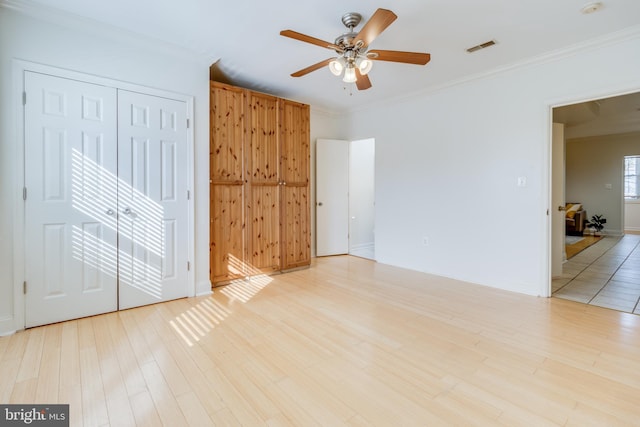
column 481, row 46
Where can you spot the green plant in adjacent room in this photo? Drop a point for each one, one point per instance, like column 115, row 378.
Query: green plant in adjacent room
column 597, row 223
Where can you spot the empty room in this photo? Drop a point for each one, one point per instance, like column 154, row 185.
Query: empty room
column 319, row 213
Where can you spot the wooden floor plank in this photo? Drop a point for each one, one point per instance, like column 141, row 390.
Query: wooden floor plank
column 345, row 342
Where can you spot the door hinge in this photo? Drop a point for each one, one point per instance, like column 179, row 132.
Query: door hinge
column 24, row 193
column 188, row 266
column 188, row 124
column 188, row 195
column 547, row 212
column 24, row 98
column 24, row 287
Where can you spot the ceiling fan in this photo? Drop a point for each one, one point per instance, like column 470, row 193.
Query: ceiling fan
column 354, row 60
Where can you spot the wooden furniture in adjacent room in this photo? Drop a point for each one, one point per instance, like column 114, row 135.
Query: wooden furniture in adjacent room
column 259, row 170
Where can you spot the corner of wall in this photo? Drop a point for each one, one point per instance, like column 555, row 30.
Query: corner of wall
column 203, row 288
column 7, row 326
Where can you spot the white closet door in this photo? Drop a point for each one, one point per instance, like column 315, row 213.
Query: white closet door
column 153, row 203
column 70, row 211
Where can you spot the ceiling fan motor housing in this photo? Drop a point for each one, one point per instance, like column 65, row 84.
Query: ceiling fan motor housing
column 351, row 20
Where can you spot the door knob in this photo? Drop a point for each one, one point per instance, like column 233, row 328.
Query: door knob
column 319, row 203
column 562, row 208
column 109, row 212
column 126, row 211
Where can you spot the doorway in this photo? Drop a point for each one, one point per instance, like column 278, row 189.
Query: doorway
column 362, row 198
column 345, row 191
column 598, row 134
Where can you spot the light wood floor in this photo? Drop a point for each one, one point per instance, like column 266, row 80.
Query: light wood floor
column 347, row 342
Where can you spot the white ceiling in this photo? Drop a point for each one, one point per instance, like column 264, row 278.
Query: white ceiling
column 244, row 36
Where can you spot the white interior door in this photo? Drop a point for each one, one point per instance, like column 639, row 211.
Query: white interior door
column 332, row 197
column 106, row 212
column 153, row 201
column 557, row 200
column 70, row 209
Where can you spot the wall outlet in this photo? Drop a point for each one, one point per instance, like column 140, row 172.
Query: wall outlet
column 425, row 241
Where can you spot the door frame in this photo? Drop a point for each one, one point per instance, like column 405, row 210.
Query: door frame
column 349, row 194
column 19, row 68
column 547, row 179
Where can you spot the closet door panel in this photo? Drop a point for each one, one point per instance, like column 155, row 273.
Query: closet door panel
column 295, row 155
column 263, row 150
column 263, row 182
column 70, row 210
column 152, row 199
column 296, row 226
column 263, row 210
column 227, row 231
column 295, row 143
column 227, row 133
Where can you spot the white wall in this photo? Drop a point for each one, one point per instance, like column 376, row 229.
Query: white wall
column 92, row 49
column 591, row 164
column 632, row 216
column 361, row 193
column 447, row 165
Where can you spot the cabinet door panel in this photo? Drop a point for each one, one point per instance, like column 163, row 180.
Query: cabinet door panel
column 263, row 150
column 263, row 211
column 297, row 226
column 227, row 133
column 227, row 233
column 295, row 143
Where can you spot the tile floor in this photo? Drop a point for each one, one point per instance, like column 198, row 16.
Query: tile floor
column 606, row 274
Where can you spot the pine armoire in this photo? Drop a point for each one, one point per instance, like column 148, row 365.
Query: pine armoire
column 259, row 184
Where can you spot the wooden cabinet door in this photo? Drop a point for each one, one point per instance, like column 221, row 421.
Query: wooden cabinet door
column 227, row 234
column 295, row 160
column 260, row 156
column 227, row 239
column 263, row 189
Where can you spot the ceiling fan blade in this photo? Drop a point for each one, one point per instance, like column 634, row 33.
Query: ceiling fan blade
column 362, row 81
column 380, row 20
column 311, row 68
column 398, row 56
column 308, row 39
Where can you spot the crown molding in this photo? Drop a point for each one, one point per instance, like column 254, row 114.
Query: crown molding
column 629, row 33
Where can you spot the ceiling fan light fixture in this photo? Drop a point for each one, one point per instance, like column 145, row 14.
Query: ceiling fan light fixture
column 364, row 65
column 349, row 75
column 337, row 65
column 353, row 61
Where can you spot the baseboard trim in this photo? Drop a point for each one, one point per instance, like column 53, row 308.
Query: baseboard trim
column 360, row 246
column 203, row 288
